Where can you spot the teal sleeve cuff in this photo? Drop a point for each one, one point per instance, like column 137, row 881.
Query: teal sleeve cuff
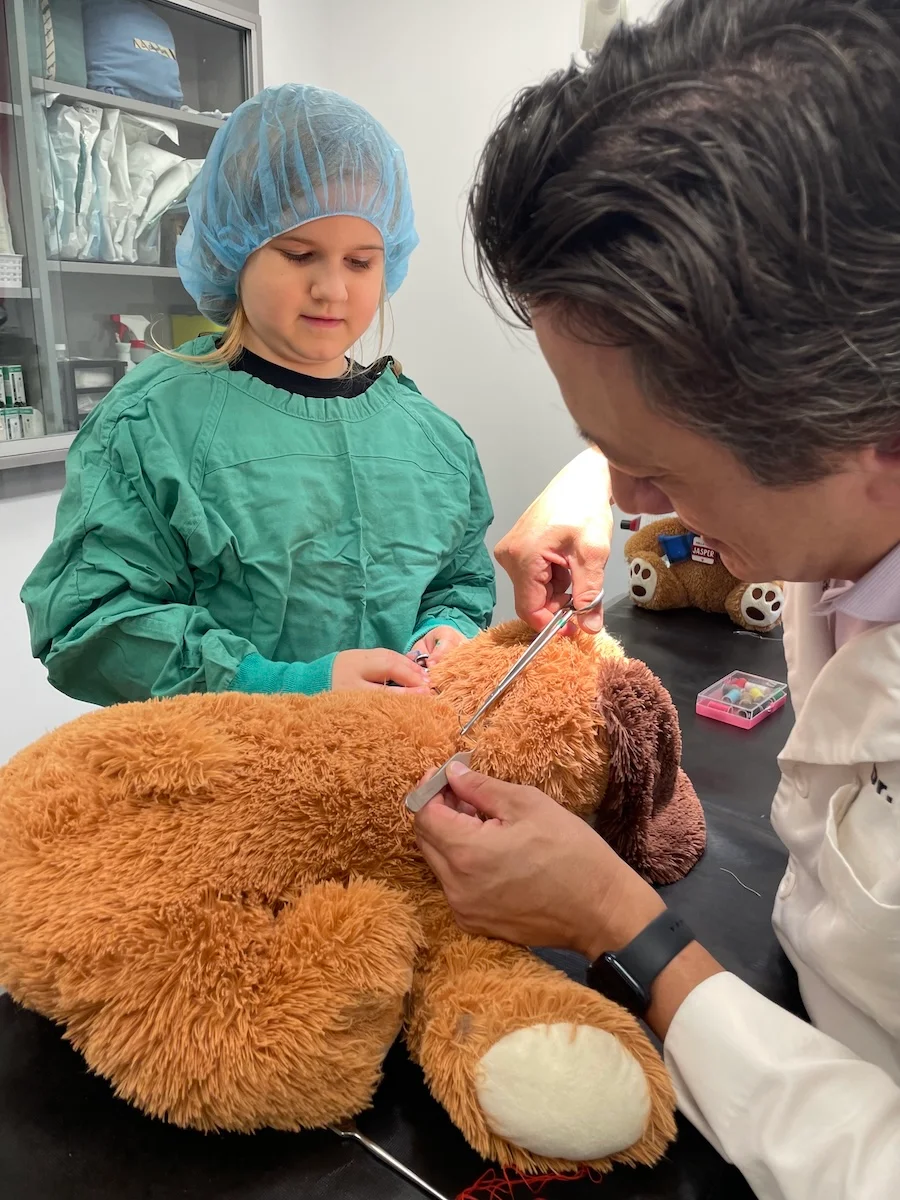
column 458, row 620
column 258, row 674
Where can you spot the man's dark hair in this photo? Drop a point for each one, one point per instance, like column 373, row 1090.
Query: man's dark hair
column 720, row 190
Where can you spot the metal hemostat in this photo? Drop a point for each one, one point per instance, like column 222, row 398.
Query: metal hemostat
column 419, row 797
column 429, row 789
column 348, row 1131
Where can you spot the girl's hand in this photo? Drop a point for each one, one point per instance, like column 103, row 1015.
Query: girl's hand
column 437, row 642
column 363, row 669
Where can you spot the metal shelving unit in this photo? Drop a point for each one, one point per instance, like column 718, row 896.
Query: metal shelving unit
column 67, row 302
column 179, row 115
column 34, row 451
column 86, row 267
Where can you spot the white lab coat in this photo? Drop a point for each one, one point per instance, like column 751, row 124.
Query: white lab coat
column 813, row 1112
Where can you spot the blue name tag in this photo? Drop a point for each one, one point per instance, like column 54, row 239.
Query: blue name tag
column 677, row 547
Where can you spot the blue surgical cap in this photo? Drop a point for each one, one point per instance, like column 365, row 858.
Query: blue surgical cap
column 289, row 155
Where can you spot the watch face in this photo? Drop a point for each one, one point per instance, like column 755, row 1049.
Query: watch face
column 607, row 975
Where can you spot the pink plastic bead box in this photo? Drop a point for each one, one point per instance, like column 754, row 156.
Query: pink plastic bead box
column 742, row 700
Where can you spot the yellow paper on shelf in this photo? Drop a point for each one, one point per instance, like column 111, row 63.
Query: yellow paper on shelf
column 187, row 326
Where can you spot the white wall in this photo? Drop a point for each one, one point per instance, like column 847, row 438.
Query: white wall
column 29, row 706
column 295, row 44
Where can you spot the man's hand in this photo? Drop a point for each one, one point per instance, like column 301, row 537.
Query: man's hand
column 437, row 642
column 562, row 540
column 516, row 865
column 530, row 872
column 356, row 669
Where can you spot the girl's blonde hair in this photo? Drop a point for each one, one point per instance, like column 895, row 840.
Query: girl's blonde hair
column 231, row 343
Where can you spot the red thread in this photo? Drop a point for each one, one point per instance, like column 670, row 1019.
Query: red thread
column 510, row 1184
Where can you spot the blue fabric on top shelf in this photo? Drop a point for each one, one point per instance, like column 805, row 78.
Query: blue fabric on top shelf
column 56, row 47
column 130, row 51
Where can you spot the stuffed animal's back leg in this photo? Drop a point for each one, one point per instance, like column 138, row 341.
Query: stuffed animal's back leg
column 756, row 606
column 224, row 1013
column 539, row 1072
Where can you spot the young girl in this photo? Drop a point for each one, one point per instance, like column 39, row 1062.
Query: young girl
column 256, row 513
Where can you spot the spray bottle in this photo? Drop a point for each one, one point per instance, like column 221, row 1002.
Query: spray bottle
column 131, row 347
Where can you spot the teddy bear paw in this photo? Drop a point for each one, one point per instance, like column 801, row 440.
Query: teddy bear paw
column 563, row 1091
column 761, row 605
column 642, row 581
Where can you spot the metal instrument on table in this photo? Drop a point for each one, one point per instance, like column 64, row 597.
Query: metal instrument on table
column 348, row 1131
column 419, row 797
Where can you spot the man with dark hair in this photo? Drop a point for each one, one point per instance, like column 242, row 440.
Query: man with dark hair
column 703, row 229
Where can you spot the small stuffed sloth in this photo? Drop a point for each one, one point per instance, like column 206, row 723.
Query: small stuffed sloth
column 221, row 899
column 670, row 567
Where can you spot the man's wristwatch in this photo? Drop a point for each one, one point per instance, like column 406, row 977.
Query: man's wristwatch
column 627, row 975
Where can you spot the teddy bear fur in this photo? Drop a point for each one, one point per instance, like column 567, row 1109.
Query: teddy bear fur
column 221, row 899
column 656, row 585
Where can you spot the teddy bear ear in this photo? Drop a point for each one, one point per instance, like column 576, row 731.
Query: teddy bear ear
column 644, row 742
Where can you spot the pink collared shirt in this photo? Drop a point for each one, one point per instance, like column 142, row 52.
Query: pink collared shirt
column 872, row 601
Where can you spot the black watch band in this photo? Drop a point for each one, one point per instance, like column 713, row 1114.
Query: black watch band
column 627, row 975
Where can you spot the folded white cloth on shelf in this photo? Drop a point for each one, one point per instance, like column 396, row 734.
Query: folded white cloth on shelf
column 171, row 188
column 103, row 193
column 67, row 136
column 87, row 222
column 63, row 125
column 6, row 244
column 105, row 181
column 214, row 112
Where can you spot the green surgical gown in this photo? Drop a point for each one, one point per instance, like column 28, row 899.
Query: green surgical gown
column 217, row 533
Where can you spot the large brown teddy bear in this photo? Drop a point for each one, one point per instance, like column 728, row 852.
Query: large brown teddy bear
column 221, row 900
column 669, row 568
